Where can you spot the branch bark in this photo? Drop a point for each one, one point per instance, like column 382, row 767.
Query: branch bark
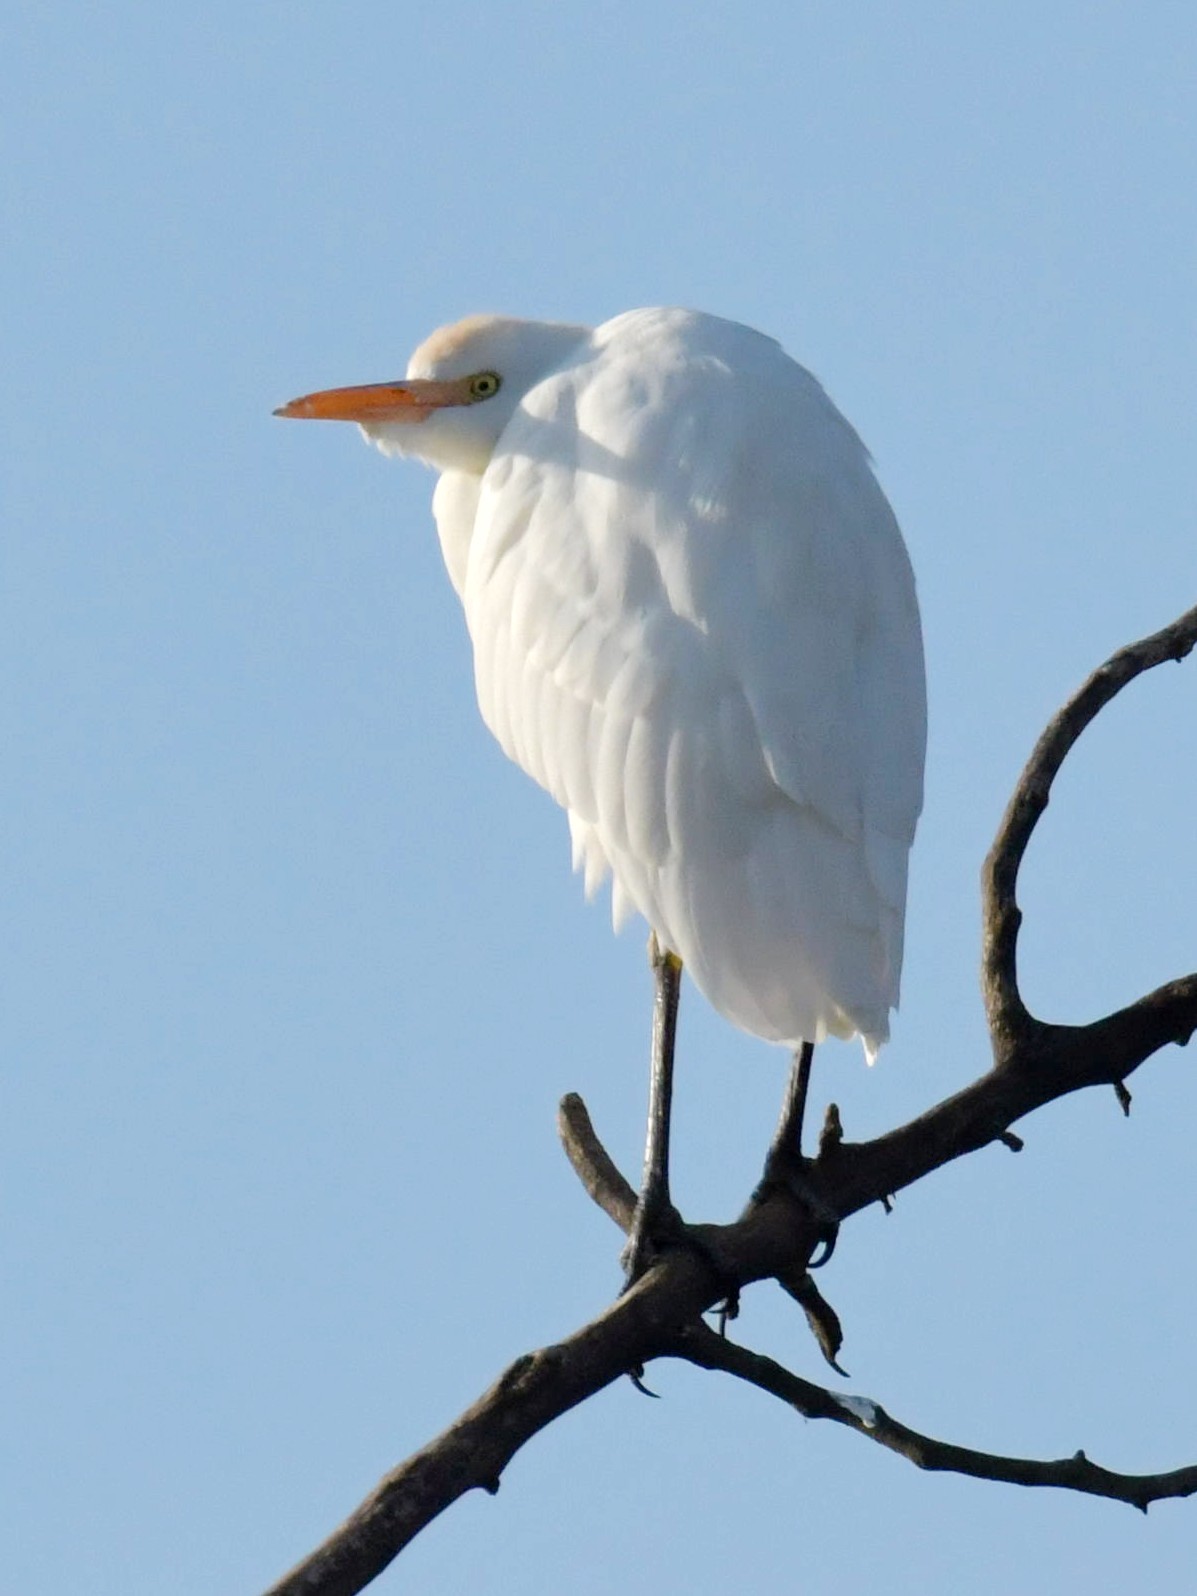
column 1034, row 1062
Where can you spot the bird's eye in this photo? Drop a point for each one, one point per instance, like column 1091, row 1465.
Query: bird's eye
column 484, row 385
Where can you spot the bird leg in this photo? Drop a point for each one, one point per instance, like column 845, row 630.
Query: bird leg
column 655, row 1214
column 787, row 1138
column 785, row 1166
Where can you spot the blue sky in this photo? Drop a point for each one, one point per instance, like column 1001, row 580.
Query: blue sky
column 294, row 969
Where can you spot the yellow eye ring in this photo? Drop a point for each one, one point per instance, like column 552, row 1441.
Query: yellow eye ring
column 485, row 385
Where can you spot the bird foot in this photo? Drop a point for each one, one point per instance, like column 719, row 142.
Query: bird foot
column 788, row 1172
column 659, row 1229
column 656, row 1228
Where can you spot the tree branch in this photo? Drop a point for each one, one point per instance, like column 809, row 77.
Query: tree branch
column 642, row 1324
column 702, row 1346
column 1009, row 1021
column 1034, row 1063
column 592, row 1163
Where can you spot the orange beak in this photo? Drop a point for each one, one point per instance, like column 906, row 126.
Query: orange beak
column 411, row 400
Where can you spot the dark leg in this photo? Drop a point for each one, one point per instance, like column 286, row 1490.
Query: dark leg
column 787, row 1138
column 654, row 1211
column 784, row 1163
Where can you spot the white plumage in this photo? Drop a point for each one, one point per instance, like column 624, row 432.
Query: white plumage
column 694, row 624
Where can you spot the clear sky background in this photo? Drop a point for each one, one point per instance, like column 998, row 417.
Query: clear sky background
column 294, row 969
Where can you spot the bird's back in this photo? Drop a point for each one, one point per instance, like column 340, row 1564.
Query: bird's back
column 695, row 624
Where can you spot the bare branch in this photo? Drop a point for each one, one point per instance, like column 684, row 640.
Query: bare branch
column 1035, row 1062
column 774, row 1239
column 702, row 1346
column 592, row 1163
column 1062, row 1059
column 771, row 1240
column 473, row 1452
column 1009, row 1021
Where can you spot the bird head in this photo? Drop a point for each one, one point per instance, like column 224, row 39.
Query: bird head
column 463, row 385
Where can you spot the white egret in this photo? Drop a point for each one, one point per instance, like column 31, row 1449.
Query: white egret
column 694, row 623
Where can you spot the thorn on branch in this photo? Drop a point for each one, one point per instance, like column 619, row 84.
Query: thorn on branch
column 1124, row 1097
column 1010, row 1140
column 887, row 1201
column 832, row 1133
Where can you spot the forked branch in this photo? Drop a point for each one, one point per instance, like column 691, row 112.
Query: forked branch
column 1009, row 1022
column 1034, row 1063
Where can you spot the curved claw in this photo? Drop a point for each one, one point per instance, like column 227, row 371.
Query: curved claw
column 729, row 1308
column 827, row 1240
column 786, row 1172
column 636, row 1376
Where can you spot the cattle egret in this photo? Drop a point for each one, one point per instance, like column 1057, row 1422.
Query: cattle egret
column 694, row 624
